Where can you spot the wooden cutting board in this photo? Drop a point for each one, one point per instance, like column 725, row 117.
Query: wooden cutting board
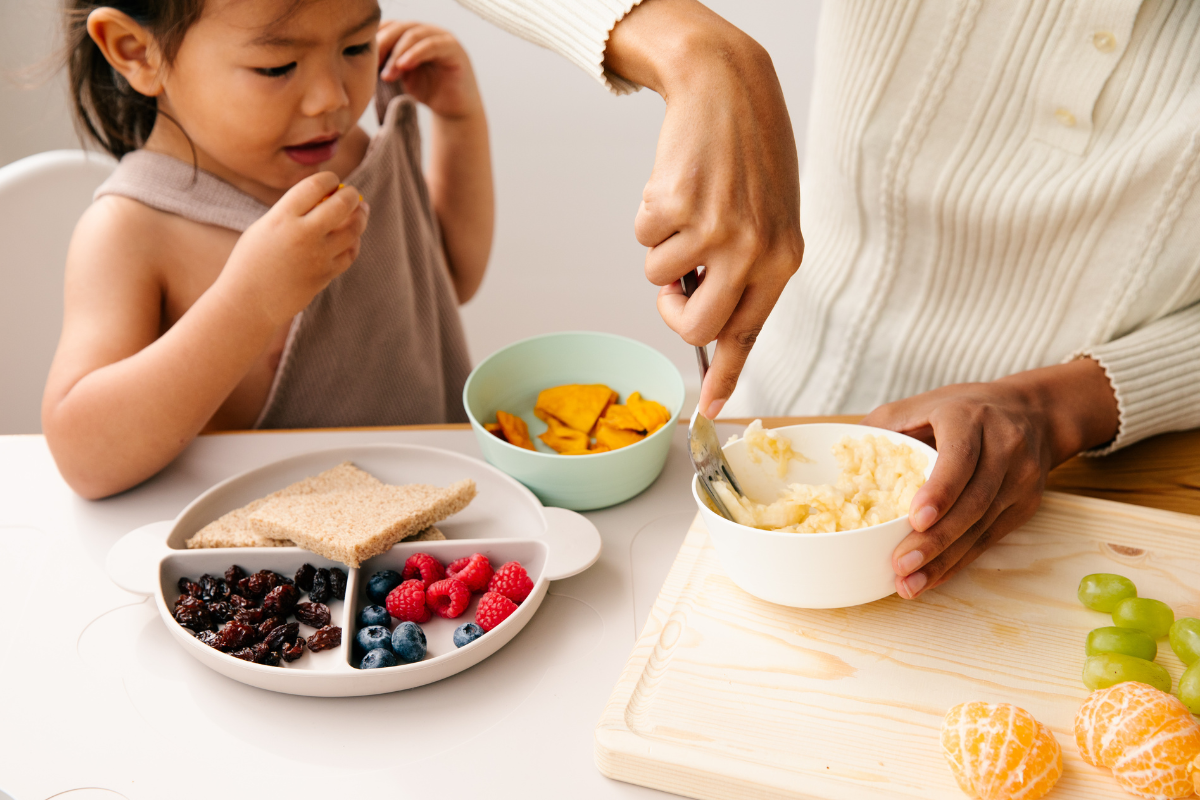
column 727, row 696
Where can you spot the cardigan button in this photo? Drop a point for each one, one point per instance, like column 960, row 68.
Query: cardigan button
column 1105, row 42
column 1065, row 118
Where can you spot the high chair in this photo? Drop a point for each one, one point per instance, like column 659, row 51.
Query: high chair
column 41, row 199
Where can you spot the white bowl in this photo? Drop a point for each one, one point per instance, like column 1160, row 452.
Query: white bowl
column 807, row 570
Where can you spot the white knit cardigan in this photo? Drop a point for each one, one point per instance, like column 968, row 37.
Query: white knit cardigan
column 990, row 186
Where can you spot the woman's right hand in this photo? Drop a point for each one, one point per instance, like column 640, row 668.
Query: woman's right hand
column 308, row 238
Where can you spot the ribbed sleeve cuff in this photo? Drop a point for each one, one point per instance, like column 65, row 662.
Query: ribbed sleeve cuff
column 1155, row 372
column 575, row 29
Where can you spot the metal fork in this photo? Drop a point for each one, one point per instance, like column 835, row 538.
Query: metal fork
column 703, row 445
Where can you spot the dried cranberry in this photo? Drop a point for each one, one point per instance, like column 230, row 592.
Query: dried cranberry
column 245, row 654
column 281, row 600
column 313, row 614
column 233, row 636
column 234, row 574
column 321, row 589
column 221, row 611
column 337, row 582
column 304, row 576
column 293, row 651
column 189, row 587
column 238, row 601
column 213, row 588
column 328, row 637
column 249, row 616
column 283, row 635
column 208, row 637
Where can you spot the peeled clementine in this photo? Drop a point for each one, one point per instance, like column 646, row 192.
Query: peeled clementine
column 1146, row 737
column 1000, row 752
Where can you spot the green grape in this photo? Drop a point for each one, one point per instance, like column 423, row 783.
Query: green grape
column 1109, row 669
column 1189, row 687
column 1185, row 639
column 1101, row 591
column 1129, row 641
column 1152, row 616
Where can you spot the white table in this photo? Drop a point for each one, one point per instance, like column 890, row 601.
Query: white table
column 95, row 696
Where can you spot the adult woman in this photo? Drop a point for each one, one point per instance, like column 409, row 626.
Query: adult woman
column 996, row 208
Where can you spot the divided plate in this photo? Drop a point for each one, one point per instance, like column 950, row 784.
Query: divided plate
column 505, row 522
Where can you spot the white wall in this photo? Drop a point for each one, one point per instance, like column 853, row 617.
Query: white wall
column 570, row 165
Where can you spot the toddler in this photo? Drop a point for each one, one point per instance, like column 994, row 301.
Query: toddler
column 257, row 260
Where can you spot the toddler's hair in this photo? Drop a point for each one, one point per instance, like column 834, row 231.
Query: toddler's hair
column 106, row 107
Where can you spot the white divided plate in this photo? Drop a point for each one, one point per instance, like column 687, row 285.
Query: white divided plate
column 505, row 522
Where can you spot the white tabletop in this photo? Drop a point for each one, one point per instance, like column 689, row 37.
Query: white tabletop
column 94, row 695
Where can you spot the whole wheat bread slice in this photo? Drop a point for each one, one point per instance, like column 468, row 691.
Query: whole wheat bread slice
column 355, row 525
column 234, row 530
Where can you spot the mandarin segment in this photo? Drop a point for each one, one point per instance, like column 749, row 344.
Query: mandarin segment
column 1146, row 737
column 1000, row 752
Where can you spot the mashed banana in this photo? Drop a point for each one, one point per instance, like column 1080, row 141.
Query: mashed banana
column 877, row 484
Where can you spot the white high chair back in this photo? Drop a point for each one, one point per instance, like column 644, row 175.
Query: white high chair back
column 41, row 199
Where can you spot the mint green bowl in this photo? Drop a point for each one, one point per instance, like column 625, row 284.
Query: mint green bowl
column 510, row 379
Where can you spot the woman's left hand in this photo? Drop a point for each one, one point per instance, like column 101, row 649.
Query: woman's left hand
column 433, row 66
column 996, row 442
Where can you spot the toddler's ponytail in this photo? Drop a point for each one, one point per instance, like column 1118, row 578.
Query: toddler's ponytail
column 106, row 107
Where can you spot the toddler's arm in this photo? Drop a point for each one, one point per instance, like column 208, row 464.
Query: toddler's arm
column 123, row 397
column 436, row 71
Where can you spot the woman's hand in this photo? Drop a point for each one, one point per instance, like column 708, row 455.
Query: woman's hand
column 433, row 66
column 725, row 189
column 996, row 442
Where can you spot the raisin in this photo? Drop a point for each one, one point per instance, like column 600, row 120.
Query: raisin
column 304, row 576
column 208, row 637
column 264, row 655
column 337, row 581
column 281, row 600
column 284, row 580
column 192, row 614
column 291, row 652
column 221, row 611
column 234, row 574
column 249, row 616
column 213, row 588
column 321, row 591
column 238, row 601
column 283, row 635
column 234, row 636
column 314, row 614
column 245, row 654
column 189, row 587
column 260, row 583
column 267, row 625
column 328, row 637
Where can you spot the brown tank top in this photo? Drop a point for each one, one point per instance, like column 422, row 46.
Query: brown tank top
column 383, row 343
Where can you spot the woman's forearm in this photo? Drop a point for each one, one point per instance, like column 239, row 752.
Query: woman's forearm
column 460, row 186
column 121, row 423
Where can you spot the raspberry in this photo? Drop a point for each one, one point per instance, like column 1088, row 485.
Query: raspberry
column 407, row 602
column 424, row 566
column 493, row 609
column 512, row 581
column 474, row 570
column 448, row 598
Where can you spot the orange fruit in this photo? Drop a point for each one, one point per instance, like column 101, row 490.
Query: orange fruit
column 1147, row 737
column 1000, row 752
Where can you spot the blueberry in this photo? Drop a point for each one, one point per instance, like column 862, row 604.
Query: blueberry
column 375, row 637
column 381, row 583
column 374, row 659
column 374, row 615
column 465, row 634
column 408, row 642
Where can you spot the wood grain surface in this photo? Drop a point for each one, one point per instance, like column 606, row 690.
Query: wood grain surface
column 727, row 696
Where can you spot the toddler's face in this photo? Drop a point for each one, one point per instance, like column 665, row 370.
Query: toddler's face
column 268, row 87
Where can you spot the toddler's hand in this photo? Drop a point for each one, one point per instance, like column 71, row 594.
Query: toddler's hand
column 432, row 65
column 306, row 240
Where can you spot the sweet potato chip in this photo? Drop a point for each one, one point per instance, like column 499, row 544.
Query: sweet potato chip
column 612, row 437
column 650, row 414
column 577, row 406
column 494, row 429
column 622, row 417
column 564, row 440
column 515, row 430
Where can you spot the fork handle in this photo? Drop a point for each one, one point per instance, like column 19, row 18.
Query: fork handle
column 689, row 283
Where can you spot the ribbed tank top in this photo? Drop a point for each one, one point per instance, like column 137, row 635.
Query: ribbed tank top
column 383, row 343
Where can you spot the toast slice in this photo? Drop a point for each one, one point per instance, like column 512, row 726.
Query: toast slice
column 352, row 526
column 234, row 530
